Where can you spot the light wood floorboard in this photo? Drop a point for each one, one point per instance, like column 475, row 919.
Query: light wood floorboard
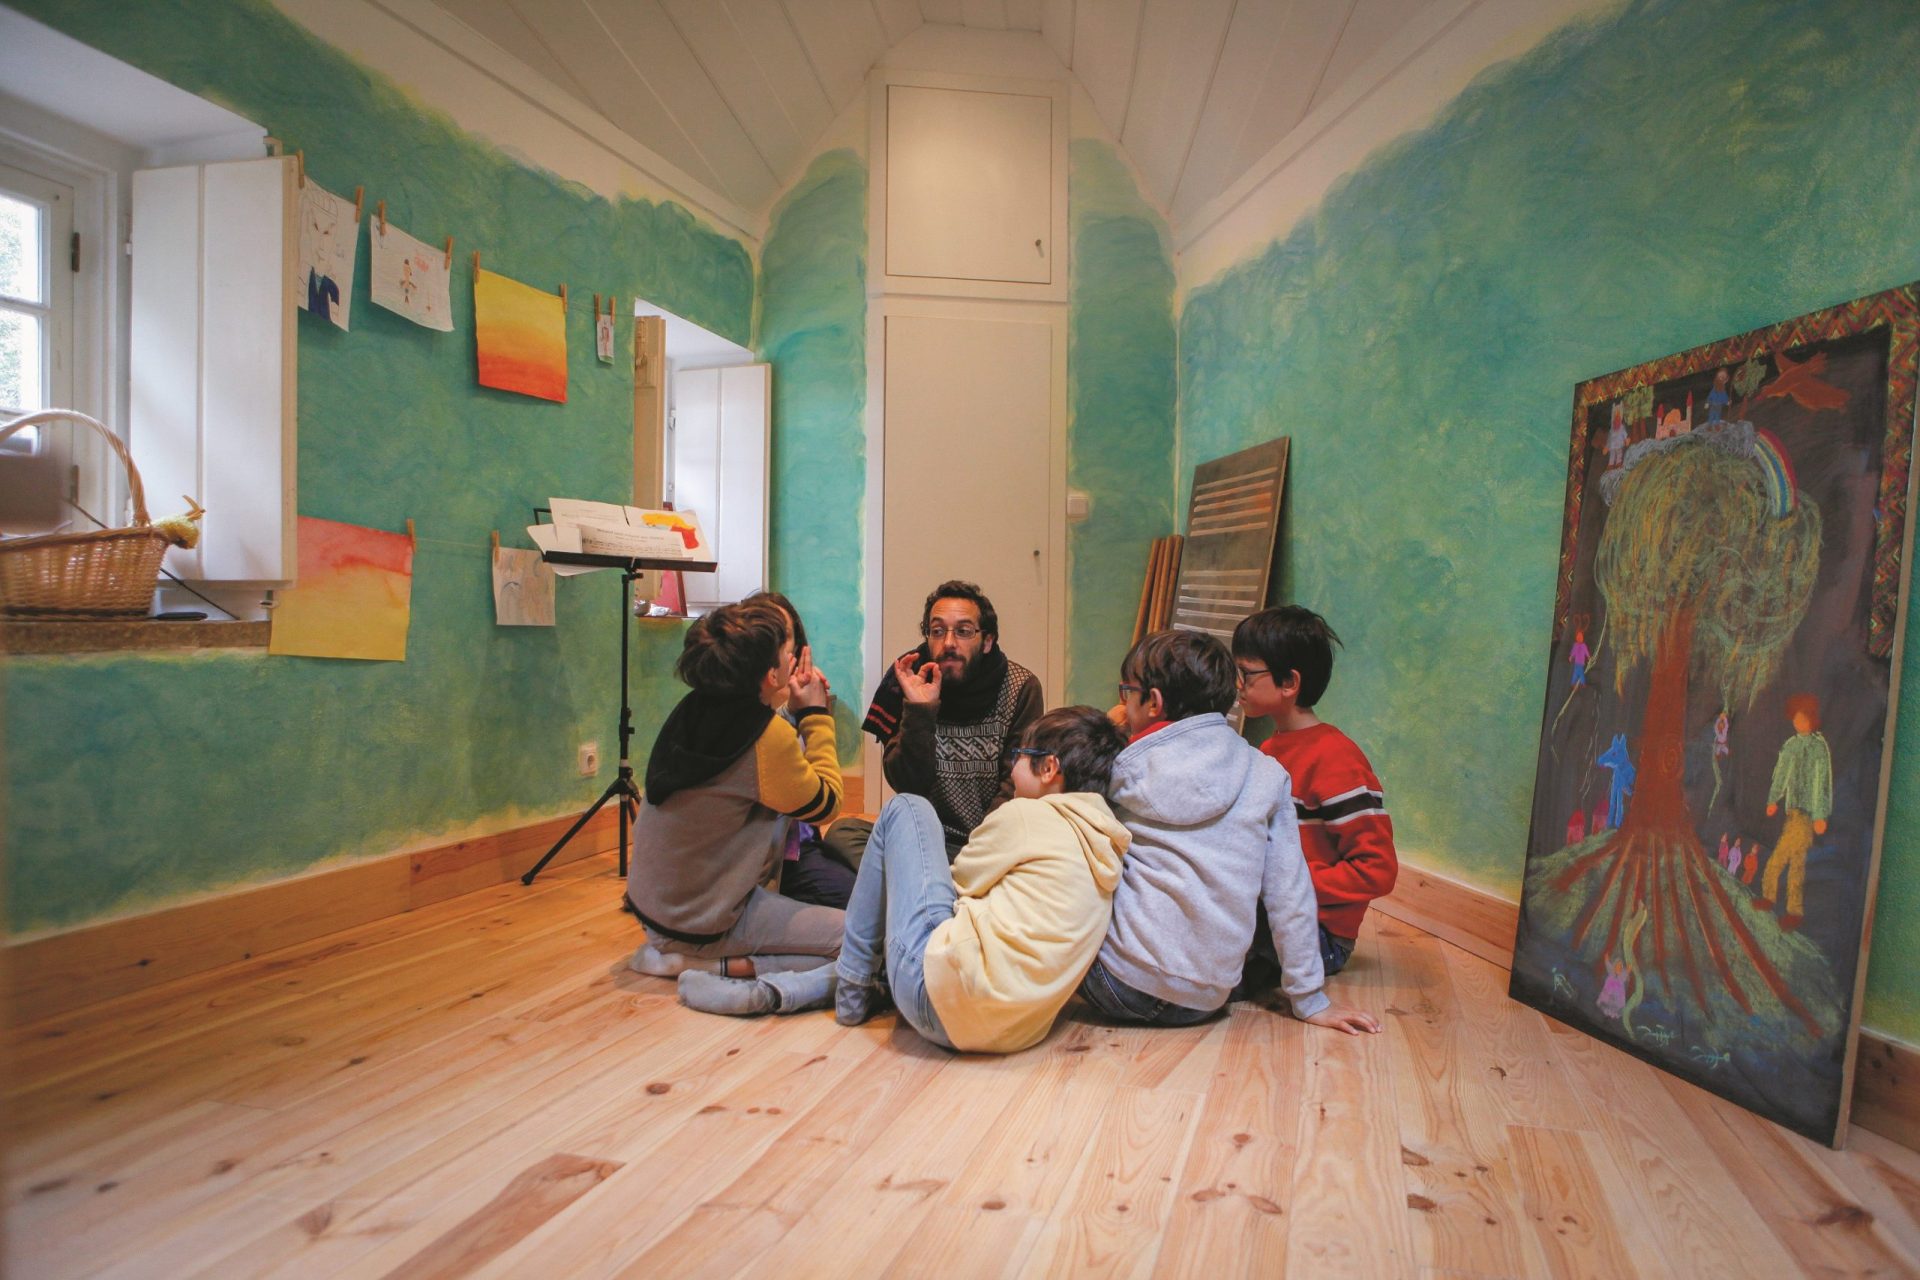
column 480, row 1088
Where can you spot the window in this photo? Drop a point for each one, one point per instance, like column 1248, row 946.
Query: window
column 36, row 300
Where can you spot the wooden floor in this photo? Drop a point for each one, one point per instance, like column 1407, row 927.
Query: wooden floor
column 480, row 1088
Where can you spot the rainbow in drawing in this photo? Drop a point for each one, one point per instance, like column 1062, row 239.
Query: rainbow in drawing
column 354, row 596
column 1778, row 471
column 521, row 336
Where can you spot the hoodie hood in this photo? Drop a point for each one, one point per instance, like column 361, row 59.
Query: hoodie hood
column 1189, row 773
column 1103, row 839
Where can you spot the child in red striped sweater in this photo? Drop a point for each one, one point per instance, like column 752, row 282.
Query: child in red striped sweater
column 1284, row 658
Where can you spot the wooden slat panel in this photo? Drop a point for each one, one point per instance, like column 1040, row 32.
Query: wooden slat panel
column 1257, row 41
column 843, row 40
column 774, row 46
column 1180, row 45
column 497, row 21
column 1301, row 53
column 1372, row 24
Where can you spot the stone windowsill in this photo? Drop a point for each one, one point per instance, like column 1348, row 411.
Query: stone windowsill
column 138, row 635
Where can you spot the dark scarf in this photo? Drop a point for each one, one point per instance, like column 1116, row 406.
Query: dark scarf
column 967, row 701
column 702, row 736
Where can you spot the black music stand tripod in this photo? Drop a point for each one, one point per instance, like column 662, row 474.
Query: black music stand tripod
column 623, row 785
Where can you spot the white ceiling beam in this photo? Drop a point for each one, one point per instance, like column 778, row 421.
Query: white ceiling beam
column 724, row 55
column 1180, row 43
column 662, row 60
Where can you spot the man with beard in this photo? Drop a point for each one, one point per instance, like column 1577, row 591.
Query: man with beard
column 948, row 711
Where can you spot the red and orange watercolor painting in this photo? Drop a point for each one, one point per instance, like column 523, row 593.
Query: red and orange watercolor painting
column 354, row 596
column 521, row 335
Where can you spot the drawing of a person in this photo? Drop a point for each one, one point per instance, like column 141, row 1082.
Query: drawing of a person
column 1617, row 438
column 407, row 286
column 1718, row 399
column 1579, row 655
column 1720, row 726
column 1803, row 783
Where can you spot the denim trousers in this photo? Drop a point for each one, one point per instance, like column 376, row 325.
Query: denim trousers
column 903, row 893
column 1123, row 1003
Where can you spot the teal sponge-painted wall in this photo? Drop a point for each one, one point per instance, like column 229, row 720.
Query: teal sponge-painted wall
column 1672, row 173
column 1120, row 393
column 813, row 329
column 136, row 779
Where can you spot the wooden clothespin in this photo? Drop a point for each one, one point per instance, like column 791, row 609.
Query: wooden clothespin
column 496, row 541
column 563, row 297
column 300, row 166
column 411, row 537
column 449, row 253
column 596, row 308
column 476, row 262
column 381, row 210
column 274, row 145
column 359, row 202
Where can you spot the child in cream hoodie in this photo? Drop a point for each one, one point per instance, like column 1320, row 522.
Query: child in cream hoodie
column 983, row 954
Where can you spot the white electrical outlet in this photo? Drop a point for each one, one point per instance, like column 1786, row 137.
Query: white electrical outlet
column 589, row 759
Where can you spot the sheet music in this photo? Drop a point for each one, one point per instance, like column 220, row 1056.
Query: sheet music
column 607, row 528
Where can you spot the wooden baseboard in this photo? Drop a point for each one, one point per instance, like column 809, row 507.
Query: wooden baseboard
column 57, row 972
column 1886, row 1079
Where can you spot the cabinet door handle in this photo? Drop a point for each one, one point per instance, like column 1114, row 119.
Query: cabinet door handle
column 1037, row 249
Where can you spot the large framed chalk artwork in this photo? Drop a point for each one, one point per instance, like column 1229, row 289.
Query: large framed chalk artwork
column 1711, row 787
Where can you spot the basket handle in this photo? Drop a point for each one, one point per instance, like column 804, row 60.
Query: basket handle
column 135, row 489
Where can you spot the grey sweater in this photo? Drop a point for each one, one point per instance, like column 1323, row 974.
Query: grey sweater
column 1214, row 833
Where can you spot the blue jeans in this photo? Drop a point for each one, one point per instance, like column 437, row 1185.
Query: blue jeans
column 1123, row 1003
column 903, row 893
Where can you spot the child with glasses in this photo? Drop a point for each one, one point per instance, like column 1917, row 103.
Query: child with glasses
column 1214, row 840
column 1284, row 658
column 982, row 955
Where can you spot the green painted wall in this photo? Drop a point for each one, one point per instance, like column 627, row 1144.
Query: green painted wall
column 1120, row 430
column 813, row 328
column 1670, row 174
column 132, row 780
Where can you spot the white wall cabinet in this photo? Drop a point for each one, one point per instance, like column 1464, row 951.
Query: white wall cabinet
column 969, row 191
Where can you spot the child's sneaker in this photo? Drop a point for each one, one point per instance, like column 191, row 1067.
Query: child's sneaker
column 854, row 1003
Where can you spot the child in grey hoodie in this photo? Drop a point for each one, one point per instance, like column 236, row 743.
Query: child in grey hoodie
column 1214, row 835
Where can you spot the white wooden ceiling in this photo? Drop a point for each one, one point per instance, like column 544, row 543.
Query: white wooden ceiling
column 738, row 93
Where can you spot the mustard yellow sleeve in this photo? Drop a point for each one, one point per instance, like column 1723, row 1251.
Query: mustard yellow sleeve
column 799, row 777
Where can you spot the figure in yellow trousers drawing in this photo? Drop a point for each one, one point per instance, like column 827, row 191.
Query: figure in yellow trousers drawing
column 1803, row 782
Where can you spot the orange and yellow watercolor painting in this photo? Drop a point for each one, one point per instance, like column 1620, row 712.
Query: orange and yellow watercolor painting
column 521, row 334
column 354, row 596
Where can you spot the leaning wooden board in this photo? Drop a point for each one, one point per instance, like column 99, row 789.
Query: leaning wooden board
column 1233, row 519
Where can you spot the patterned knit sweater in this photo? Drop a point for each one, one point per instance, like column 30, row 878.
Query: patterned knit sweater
column 962, row 767
column 1344, row 828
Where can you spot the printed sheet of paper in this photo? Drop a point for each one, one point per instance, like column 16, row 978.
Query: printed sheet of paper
column 329, row 236
column 522, row 588
column 553, row 537
column 410, row 277
column 607, row 528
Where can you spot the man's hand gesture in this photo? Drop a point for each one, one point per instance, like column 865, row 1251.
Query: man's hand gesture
column 918, row 686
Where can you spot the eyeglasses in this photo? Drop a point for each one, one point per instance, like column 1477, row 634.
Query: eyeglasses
column 1247, row 675
column 1126, row 689
column 965, row 631
column 1037, row 753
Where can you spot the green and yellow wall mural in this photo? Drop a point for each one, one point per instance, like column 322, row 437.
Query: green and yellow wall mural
column 1666, row 175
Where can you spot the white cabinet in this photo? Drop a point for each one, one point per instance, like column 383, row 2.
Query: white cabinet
column 969, row 187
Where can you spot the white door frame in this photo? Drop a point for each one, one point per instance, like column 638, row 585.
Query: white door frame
column 875, row 651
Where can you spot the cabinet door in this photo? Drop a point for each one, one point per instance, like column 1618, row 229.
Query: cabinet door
column 970, row 185
column 720, row 420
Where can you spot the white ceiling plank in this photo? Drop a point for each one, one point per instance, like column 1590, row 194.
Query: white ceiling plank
column 1308, row 38
column 663, row 59
column 775, row 48
column 1254, row 42
column 723, row 54
column 574, row 34
column 986, row 15
column 1373, row 23
column 1024, row 15
column 497, row 21
column 1180, row 45
column 842, row 39
column 941, row 12
column 898, row 18
column 1105, row 34
column 1056, row 24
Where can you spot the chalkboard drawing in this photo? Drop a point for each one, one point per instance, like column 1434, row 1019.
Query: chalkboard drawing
column 1752, row 559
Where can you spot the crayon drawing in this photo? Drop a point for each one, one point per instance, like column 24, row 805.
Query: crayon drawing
column 1735, row 541
column 521, row 335
column 410, row 277
column 329, row 236
column 522, row 588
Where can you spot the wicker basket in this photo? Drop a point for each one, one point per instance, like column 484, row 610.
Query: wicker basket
column 108, row 573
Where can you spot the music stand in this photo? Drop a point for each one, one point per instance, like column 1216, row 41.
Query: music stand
column 623, row 784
